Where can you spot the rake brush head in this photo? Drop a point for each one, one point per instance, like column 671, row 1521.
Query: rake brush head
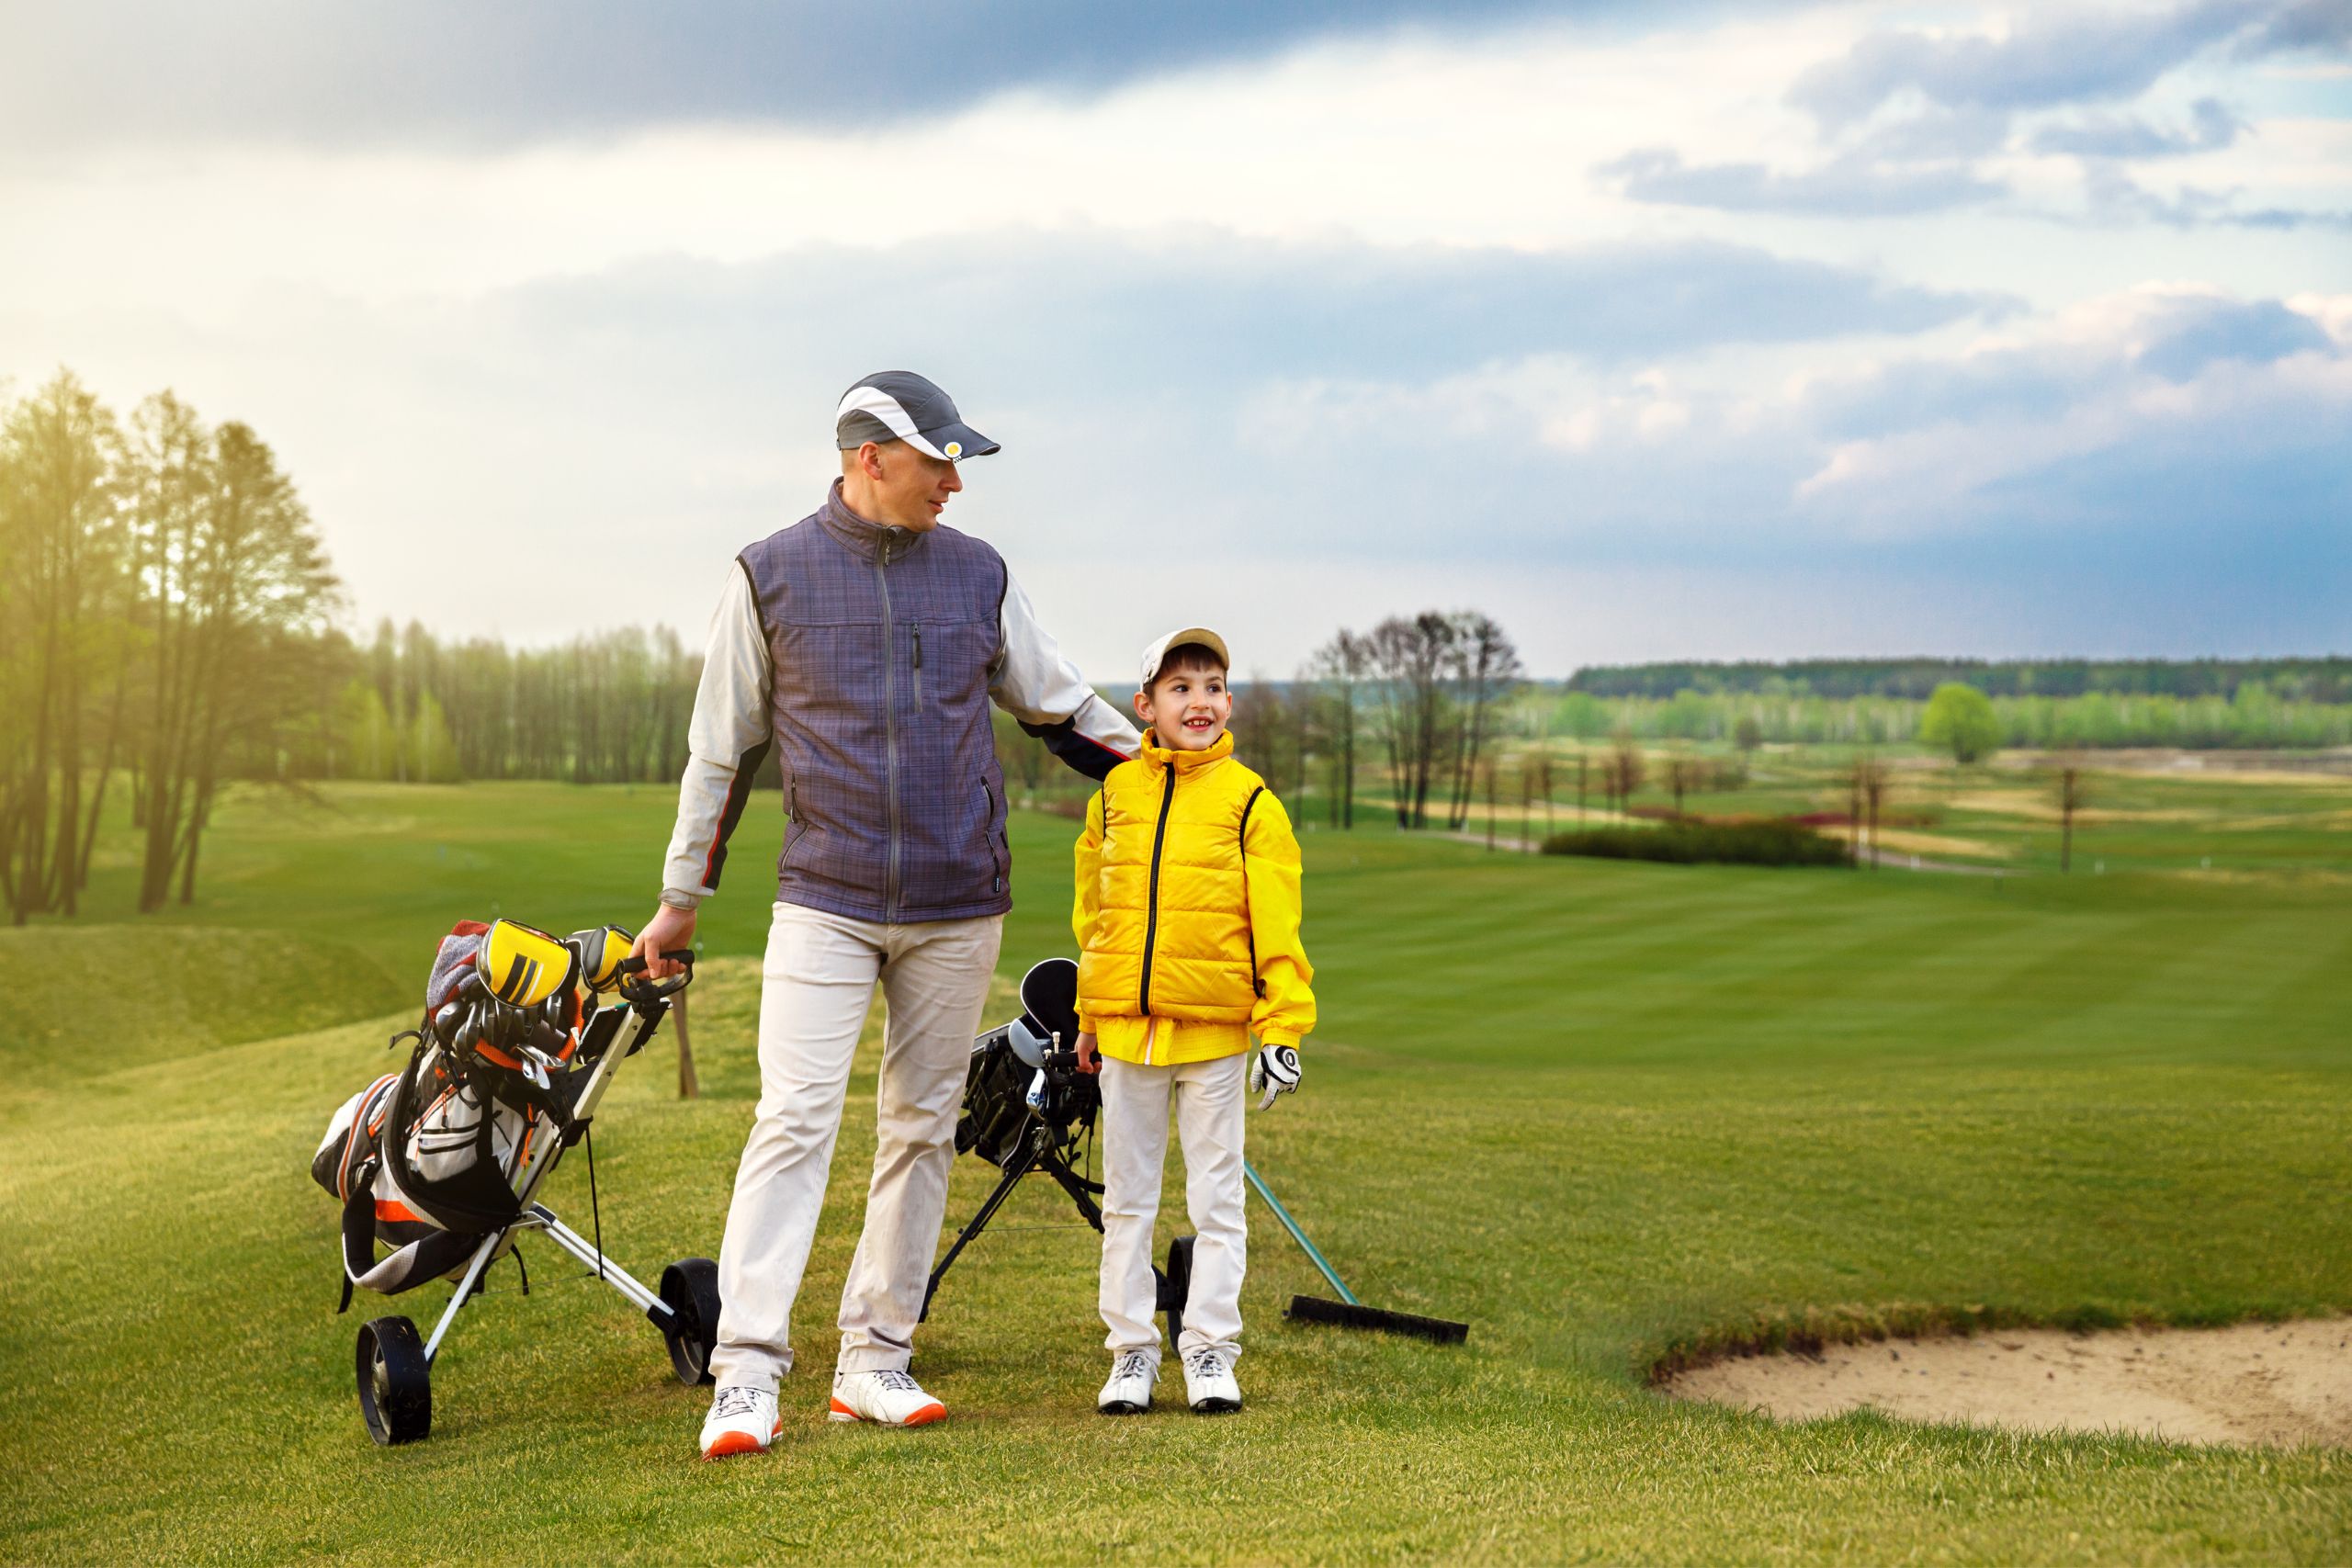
column 1315, row 1309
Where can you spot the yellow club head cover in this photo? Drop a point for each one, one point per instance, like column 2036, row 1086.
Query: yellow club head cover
column 524, row 966
column 601, row 950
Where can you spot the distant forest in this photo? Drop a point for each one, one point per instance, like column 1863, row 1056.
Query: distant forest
column 2327, row 680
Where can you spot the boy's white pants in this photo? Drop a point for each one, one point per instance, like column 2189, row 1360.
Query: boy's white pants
column 1209, row 1097
column 817, row 985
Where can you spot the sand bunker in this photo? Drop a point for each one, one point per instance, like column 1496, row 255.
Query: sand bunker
column 2253, row 1383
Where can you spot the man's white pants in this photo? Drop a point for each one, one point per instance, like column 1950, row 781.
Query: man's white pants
column 1209, row 1097
column 817, row 984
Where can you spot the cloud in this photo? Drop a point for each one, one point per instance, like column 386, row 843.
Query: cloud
column 2048, row 60
column 1200, row 307
column 116, row 71
column 1846, row 187
column 2168, row 380
column 2212, row 126
column 2112, row 194
column 1135, row 382
column 2197, row 334
column 2307, row 25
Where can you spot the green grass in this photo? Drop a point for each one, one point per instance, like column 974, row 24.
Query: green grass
column 1613, row 1114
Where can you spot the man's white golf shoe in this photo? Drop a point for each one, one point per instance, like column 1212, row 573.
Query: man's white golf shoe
column 886, row 1398
column 1129, row 1391
column 742, row 1421
column 1209, row 1387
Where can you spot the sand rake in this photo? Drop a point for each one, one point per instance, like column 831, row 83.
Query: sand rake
column 1348, row 1312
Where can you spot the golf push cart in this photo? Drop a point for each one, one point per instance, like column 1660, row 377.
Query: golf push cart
column 441, row 1162
column 1027, row 1108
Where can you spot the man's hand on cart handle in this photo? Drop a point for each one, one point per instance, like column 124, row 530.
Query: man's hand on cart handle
column 669, row 930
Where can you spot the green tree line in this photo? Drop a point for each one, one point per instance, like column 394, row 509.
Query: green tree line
column 2255, row 718
column 2326, row 680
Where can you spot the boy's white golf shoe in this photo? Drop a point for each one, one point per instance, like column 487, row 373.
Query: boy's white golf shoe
column 1129, row 1391
column 742, row 1421
column 886, row 1398
column 1209, row 1387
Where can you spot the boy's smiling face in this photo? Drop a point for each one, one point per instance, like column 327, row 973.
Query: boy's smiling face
column 1187, row 706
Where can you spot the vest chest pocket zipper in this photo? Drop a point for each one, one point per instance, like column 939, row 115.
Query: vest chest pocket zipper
column 998, row 853
column 795, row 829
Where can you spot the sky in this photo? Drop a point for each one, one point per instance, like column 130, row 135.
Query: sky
column 1656, row 331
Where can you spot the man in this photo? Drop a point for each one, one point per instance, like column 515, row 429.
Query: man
column 864, row 643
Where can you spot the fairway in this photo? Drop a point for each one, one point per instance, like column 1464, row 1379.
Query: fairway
column 1614, row 1115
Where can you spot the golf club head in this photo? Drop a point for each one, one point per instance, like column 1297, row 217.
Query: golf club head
column 602, row 950
column 523, row 965
column 1049, row 1000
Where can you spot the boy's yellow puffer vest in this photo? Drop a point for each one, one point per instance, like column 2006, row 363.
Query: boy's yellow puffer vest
column 1171, row 938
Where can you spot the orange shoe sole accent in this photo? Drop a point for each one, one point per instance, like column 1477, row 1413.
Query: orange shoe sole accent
column 935, row 1411
column 729, row 1444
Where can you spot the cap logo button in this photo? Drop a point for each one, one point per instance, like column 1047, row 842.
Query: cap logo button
column 954, row 448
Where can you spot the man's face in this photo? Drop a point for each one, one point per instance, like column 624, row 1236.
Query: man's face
column 908, row 489
column 1186, row 709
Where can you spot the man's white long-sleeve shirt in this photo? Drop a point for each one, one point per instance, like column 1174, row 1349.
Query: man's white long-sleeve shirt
column 1030, row 680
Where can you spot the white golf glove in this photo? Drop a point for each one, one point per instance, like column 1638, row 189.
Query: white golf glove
column 1274, row 1072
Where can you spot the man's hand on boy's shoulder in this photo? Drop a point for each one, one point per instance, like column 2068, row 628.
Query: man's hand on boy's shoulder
column 1277, row 1071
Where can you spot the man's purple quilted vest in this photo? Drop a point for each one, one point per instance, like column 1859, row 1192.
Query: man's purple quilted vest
column 881, row 640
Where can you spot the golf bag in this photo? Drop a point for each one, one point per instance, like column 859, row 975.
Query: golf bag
column 423, row 1160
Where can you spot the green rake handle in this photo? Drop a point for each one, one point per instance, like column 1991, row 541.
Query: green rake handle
column 1297, row 1234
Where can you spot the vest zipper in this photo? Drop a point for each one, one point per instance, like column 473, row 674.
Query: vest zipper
column 889, row 733
column 1151, row 903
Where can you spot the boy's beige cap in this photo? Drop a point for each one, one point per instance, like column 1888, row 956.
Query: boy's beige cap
column 1158, row 651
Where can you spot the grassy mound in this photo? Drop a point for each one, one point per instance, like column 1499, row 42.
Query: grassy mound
column 97, row 999
column 1704, row 843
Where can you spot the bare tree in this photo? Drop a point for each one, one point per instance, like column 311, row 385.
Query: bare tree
column 1875, row 780
column 1854, row 811
column 1623, row 769
column 1683, row 774
column 1408, row 659
column 1340, row 667
column 1538, row 771
column 1485, row 669
column 1527, row 766
column 2072, row 789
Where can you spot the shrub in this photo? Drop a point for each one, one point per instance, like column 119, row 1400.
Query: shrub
column 1960, row 719
column 1779, row 842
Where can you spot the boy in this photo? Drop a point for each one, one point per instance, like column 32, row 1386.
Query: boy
column 1187, row 921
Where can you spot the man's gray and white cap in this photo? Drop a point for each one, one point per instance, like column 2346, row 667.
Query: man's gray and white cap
column 898, row 405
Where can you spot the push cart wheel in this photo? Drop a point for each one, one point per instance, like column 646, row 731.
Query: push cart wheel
column 1176, row 1286
column 690, row 1290
column 395, row 1381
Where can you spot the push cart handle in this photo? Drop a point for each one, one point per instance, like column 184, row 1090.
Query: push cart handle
column 642, row 992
